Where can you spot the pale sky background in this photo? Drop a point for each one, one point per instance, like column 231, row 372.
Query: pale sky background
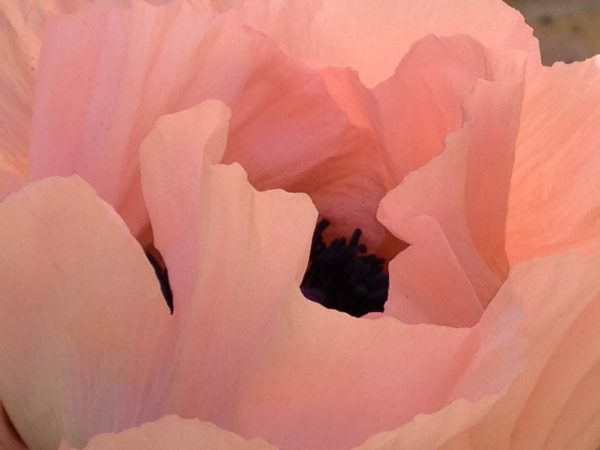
column 568, row 30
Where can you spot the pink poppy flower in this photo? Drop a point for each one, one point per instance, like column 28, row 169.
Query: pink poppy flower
column 208, row 137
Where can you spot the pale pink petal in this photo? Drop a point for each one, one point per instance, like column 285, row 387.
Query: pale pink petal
column 555, row 402
column 423, row 101
column 172, row 432
column 255, row 357
column 83, row 324
column 372, row 39
column 466, row 208
column 555, row 191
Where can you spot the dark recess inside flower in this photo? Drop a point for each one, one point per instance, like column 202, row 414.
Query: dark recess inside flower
column 340, row 275
column 343, row 276
column 163, row 277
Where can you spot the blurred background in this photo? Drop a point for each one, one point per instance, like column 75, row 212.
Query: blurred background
column 568, row 30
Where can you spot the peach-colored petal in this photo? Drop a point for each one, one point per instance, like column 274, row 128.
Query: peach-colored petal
column 555, row 189
column 255, row 357
column 172, row 432
column 373, row 39
column 83, row 324
column 555, row 402
column 467, row 204
column 423, row 101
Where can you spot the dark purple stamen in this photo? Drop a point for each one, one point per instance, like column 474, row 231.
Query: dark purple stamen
column 342, row 276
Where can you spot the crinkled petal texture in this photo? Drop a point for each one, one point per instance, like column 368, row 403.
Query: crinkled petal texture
column 172, row 432
column 94, row 349
column 140, row 62
column 452, row 211
column 554, row 403
column 555, row 189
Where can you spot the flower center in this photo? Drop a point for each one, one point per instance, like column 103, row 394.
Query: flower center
column 342, row 276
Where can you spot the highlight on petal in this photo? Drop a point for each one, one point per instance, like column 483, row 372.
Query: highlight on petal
column 463, row 209
column 555, row 190
column 372, row 39
column 172, row 432
column 83, row 324
column 553, row 403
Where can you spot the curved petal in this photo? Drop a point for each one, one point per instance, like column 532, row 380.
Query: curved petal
column 464, row 194
column 555, row 192
column 554, row 403
column 172, row 432
column 83, row 327
column 372, row 39
column 257, row 358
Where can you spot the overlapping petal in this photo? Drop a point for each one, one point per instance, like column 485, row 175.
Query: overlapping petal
column 452, row 212
column 423, row 101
